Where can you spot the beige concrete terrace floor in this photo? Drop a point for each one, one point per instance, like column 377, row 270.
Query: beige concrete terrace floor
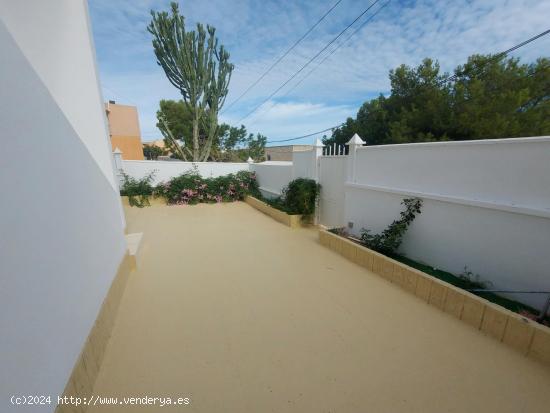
column 242, row 314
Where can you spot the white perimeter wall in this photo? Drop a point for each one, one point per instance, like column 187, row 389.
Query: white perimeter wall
column 486, row 206
column 486, row 203
column 304, row 164
column 332, row 175
column 272, row 176
column 165, row 170
column 61, row 230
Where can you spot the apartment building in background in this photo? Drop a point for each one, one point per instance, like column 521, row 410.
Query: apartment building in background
column 284, row 152
column 124, row 130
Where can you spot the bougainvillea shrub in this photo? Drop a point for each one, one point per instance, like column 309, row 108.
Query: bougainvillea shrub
column 190, row 188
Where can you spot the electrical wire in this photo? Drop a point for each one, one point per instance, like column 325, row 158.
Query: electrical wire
column 282, row 57
column 448, row 79
column 309, row 61
column 325, row 58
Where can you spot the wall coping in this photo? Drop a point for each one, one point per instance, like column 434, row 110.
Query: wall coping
column 185, row 162
column 534, row 139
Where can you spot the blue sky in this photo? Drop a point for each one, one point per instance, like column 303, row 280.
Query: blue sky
column 257, row 32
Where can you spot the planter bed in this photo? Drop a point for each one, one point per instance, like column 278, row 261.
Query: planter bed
column 292, row 221
column 520, row 333
column 153, row 201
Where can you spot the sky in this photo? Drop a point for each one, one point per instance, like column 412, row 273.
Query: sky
column 256, row 33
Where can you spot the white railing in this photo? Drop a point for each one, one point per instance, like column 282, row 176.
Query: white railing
column 334, row 150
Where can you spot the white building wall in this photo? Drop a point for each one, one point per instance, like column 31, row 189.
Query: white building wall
column 165, row 170
column 44, row 32
column 61, row 232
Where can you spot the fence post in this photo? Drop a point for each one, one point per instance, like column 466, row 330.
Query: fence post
column 317, row 153
column 250, row 161
column 353, row 143
column 117, row 156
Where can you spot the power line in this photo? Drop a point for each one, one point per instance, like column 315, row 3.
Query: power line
column 328, row 55
column 450, row 78
column 308, row 135
column 534, row 72
column 308, row 62
column 498, row 56
column 283, row 56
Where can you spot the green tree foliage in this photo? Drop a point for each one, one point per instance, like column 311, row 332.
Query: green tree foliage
column 255, row 147
column 199, row 68
column 175, row 121
column 152, row 152
column 229, row 144
column 490, row 98
column 230, row 137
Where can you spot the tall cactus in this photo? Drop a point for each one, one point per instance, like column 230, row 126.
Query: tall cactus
column 198, row 67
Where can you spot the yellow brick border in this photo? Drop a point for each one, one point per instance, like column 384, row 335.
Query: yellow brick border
column 520, row 333
column 82, row 379
column 154, row 201
column 292, row 221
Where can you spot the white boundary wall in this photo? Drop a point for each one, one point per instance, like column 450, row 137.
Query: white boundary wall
column 165, row 170
column 272, row 176
column 486, row 203
column 332, row 175
column 486, row 206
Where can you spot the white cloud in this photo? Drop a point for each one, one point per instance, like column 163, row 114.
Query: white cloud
column 293, row 119
column 256, row 33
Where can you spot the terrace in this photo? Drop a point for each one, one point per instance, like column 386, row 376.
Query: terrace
column 241, row 313
column 224, row 305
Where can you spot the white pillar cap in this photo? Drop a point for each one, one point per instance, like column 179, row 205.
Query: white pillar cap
column 356, row 140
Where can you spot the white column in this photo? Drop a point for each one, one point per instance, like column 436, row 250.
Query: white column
column 353, row 143
column 117, row 156
column 317, row 152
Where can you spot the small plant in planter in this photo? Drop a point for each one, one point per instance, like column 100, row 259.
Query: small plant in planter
column 299, row 197
column 473, row 281
column 389, row 240
column 138, row 191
